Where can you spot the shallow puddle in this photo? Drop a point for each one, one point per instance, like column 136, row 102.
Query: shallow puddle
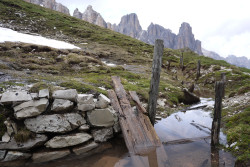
column 186, row 143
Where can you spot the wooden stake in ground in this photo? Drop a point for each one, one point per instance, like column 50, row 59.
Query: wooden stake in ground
column 155, row 80
column 181, row 61
column 198, row 70
column 223, row 79
column 219, row 89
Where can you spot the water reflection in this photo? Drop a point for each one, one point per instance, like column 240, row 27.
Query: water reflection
column 186, row 143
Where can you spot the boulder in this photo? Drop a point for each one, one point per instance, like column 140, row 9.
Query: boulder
column 84, row 127
column 2, row 154
column 37, row 141
column 62, row 105
column 101, row 117
column 68, row 140
column 46, row 156
column 5, row 138
column 16, row 155
column 69, row 94
column 10, row 97
column 85, row 102
column 190, row 98
column 102, row 135
column 102, row 101
column 34, row 96
column 30, row 108
column 44, row 93
column 82, row 149
column 56, row 123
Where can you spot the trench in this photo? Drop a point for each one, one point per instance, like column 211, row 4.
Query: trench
column 186, row 143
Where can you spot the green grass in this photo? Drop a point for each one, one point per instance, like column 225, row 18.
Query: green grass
column 237, row 130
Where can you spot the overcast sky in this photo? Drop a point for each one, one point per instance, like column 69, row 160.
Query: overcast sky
column 223, row 26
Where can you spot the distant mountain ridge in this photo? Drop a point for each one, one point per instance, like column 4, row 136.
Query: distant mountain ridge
column 232, row 59
column 130, row 25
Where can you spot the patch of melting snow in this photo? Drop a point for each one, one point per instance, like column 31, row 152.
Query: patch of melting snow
column 102, row 88
column 14, row 36
column 109, row 64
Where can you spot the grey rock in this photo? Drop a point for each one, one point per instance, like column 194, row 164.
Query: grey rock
column 16, row 155
column 44, row 93
column 93, row 17
column 101, row 117
column 34, row 96
column 68, row 140
column 85, row 102
column 57, row 123
column 102, row 102
column 84, row 127
column 70, row 94
column 77, row 14
column 5, row 138
column 46, row 156
column 10, row 97
column 82, row 149
column 2, row 154
column 130, row 25
column 185, row 39
column 37, row 141
column 102, row 135
column 51, row 4
column 30, row 108
column 62, row 105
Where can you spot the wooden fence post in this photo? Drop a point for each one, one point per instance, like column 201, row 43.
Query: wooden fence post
column 223, row 79
column 181, row 61
column 219, row 89
column 155, row 79
column 198, row 70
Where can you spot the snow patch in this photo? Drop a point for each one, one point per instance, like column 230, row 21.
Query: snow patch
column 7, row 34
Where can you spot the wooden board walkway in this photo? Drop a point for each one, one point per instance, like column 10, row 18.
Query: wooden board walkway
column 139, row 134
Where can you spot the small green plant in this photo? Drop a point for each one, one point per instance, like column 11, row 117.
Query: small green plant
column 23, row 135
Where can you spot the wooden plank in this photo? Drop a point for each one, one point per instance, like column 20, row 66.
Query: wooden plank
column 142, row 134
column 125, row 129
column 135, row 98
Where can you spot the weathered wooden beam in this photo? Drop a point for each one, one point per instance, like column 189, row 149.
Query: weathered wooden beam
column 155, row 80
column 125, row 129
column 219, row 89
column 185, row 141
column 136, row 99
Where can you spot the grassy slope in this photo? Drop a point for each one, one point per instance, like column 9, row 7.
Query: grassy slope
column 103, row 43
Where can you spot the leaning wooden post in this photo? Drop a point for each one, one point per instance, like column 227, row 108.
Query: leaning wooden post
column 181, row 60
column 155, row 79
column 198, row 70
column 219, row 89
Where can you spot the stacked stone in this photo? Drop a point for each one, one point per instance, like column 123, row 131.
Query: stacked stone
column 64, row 123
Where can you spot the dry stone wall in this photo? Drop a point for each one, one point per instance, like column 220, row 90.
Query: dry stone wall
column 58, row 125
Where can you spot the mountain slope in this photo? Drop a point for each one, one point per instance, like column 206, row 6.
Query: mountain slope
column 86, row 71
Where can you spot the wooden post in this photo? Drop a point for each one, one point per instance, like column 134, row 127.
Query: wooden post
column 181, row 61
column 219, row 89
column 155, row 79
column 223, row 76
column 198, row 69
column 223, row 79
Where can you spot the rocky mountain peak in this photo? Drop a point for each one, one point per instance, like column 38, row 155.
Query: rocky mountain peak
column 51, row 4
column 130, row 25
column 91, row 16
column 185, row 38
